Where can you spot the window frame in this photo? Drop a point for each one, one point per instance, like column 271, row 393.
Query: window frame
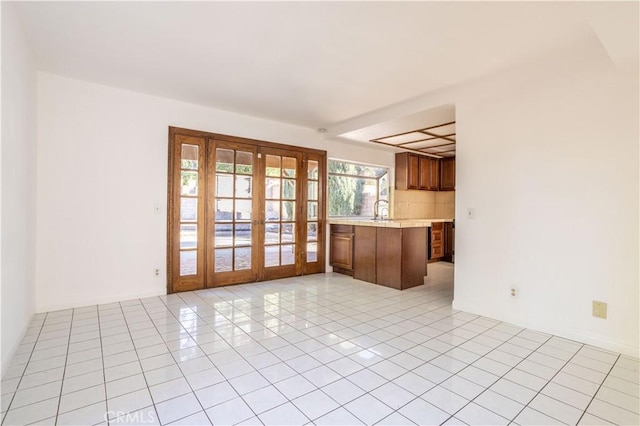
column 378, row 191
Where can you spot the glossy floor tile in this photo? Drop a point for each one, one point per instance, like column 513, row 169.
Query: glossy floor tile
column 323, row 349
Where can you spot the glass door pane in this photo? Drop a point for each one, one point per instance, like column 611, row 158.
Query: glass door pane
column 231, row 212
column 186, row 245
column 189, row 209
column 312, row 210
column 233, row 183
column 280, row 210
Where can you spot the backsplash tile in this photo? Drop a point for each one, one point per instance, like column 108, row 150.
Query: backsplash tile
column 423, row 204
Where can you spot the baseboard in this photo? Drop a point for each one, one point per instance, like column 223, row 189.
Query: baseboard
column 596, row 341
column 98, row 301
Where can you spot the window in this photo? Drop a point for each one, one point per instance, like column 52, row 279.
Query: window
column 355, row 188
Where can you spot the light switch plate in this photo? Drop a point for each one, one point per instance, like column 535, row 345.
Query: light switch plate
column 599, row 309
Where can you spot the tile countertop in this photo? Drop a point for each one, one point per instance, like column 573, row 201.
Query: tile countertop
column 391, row 223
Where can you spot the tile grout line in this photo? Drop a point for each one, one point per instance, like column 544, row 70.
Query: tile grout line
column 295, row 321
column 181, row 372
column 400, row 351
column 25, row 366
column 394, row 410
column 212, row 363
column 545, row 385
column 66, row 358
column 124, row 317
column 599, row 387
column 454, row 374
column 499, row 378
column 104, row 374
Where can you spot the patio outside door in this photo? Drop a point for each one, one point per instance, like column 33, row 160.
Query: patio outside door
column 254, row 212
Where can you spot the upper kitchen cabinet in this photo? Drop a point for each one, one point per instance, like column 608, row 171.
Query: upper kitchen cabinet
column 429, row 174
column 415, row 171
column 448, row 174
column 407, row 171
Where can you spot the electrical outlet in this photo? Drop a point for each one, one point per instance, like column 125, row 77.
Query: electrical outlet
column 599, row 309
column 514, row 292
column 157, row 272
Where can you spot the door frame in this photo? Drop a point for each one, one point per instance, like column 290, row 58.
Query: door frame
column 176, row 283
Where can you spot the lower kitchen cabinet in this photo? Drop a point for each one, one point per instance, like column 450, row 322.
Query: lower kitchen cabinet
column 442, row 242
column 437, row 241
column 364, row 259
column 393, row 257
column 401, row 255
column 341, row 250
column 448, row 242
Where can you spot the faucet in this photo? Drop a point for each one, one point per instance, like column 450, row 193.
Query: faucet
column 376, row 210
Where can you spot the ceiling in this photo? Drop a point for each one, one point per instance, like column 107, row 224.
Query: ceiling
column 431, row 132
column 313, row 64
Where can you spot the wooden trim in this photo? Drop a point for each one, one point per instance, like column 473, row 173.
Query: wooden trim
column 417, row 150
column 427, row 147
column 416, row 131
column 445, row 137
column 207, row 142
column 449, row 150
column 176, row 282
column 406, row 149
column 319, row 265
column 170, row 207
column 241, row 140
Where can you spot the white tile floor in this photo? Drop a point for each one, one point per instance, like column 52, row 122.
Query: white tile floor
column 323, row 349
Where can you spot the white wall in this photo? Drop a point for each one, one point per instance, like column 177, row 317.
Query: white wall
column 18, row 186
column 548, row 158
column 102, row 166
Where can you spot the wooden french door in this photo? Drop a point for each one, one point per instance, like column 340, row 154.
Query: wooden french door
column 232, row 204
column 242, row 211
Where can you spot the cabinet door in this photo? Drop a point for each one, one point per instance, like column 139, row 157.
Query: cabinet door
column 342, row 251
column 437, row 240
column 434, row 174
column 414, row 256
column 425, row 173
column 364, row 258
column 448, row 174
column 448, row 241
column 413, row 181
column 389, row 257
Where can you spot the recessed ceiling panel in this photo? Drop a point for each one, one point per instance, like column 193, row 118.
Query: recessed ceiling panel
column 409, row 137
column 441, row 149
column 444, row 130
column 426, row 144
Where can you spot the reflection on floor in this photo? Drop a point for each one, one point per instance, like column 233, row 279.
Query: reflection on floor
column 325, row 348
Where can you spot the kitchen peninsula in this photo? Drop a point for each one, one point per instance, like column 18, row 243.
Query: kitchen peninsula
column 392, row 253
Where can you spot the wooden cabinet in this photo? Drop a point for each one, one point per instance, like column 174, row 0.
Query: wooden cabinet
column 437, row 241
column 407, row 171
column 401, row 257
column 448, row 242
column 341, row 249
column 448, row 174
column 442, row 242
column 429, row 173
column 364, row 258
column 415, row 171
column 393, row 257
